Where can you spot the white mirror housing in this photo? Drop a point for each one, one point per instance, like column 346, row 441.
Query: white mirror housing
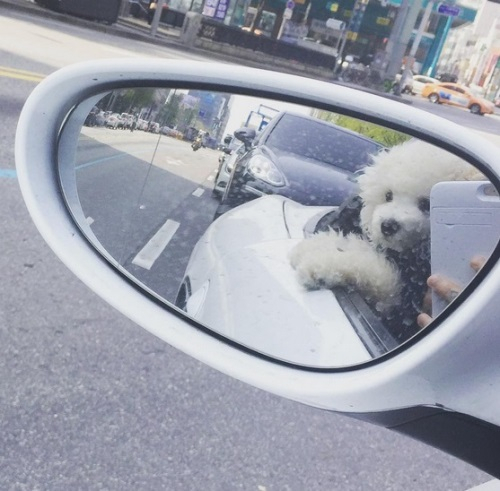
column 452, row 368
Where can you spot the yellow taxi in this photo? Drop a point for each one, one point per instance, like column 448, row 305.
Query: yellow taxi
column 457, row 95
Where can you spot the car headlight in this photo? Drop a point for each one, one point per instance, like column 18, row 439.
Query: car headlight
column 262, row 168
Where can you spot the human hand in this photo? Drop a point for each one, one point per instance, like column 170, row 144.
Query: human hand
column 446, row 289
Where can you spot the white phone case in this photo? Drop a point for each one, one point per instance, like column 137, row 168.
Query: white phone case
column 465, row 222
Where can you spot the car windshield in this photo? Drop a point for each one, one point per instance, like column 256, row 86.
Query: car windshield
column 314, row 139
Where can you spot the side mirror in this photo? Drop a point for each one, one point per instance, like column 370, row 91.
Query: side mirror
column 311, row 285
column 245, row 135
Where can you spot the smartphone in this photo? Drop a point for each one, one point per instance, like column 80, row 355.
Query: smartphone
column 465, row 222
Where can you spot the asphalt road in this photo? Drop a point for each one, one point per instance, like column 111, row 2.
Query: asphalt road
column 488, row 124
column 89, row 401
column 131, row 186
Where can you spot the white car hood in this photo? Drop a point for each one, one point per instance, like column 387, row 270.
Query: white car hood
column 244, row 287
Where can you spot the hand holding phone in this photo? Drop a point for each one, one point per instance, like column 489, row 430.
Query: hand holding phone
column 465, row 224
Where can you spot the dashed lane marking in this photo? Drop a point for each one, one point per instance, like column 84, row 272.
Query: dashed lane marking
column 175, row 162
column 156, row 245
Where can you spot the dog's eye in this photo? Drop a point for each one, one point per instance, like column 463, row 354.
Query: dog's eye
column 424, row 205
column 388, row 196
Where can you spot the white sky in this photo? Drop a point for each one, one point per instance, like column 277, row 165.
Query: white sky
column 241, row 106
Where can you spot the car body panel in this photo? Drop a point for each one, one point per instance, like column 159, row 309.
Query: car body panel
column 226, row 163
column 239, row 271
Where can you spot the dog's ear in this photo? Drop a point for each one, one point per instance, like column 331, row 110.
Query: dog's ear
column 345, row 219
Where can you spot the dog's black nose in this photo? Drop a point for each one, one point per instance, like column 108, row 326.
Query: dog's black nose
column 389, row 227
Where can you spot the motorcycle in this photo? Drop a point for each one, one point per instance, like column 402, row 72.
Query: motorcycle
column 197, row 143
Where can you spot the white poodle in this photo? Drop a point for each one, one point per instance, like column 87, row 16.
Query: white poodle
column 383, row 252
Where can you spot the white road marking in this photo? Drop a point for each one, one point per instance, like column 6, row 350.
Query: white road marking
column 152, row 250
column 90, row 220
column 198, row 192
column 176, row 162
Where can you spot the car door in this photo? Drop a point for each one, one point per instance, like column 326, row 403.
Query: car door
column 456, row 96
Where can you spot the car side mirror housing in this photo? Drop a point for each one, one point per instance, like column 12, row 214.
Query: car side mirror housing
column 249, row 293
column 245, row 135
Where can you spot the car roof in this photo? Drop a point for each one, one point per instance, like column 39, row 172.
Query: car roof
column 282, row 114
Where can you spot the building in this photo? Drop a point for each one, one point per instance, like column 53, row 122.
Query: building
column 472, row 51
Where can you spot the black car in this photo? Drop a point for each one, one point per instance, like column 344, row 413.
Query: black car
column 303, row 158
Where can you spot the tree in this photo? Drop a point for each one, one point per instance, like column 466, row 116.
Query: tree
column 385, row 136
column 168, row 114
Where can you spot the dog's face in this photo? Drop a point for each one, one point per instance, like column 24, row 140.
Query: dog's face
column 395, row 191
column 398, row 219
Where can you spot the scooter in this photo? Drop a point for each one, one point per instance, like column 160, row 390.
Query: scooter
column 197, row 143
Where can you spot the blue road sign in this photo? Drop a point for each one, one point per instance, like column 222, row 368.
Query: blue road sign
column 447, row 9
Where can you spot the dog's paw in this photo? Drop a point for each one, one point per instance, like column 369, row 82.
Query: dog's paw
column 319, row 260
column 311, row 275
column 329, row 260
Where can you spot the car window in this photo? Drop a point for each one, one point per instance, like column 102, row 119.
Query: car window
column 323, row 142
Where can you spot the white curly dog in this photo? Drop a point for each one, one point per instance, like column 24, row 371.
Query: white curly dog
column 393, row 227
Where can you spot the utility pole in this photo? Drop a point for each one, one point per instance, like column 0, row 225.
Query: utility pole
column 156, row 19
column 410, row 59
column 400, row 36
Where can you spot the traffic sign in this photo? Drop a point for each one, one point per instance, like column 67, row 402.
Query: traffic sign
column 447, row 9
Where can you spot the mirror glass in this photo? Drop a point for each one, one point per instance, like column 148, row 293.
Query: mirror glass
column 300, row 233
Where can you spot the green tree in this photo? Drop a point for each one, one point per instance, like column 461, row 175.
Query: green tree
column 169, row 113
column 380, row 134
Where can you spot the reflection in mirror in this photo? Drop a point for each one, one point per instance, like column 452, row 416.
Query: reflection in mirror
column 303, row 234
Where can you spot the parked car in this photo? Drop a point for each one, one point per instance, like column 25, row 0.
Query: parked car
column 457, row 95
column 142, row 124
column 420, row 81
column 227, row 159
column 154, row 127
column 291, row 148
column 113, row 121
column 166, row 130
